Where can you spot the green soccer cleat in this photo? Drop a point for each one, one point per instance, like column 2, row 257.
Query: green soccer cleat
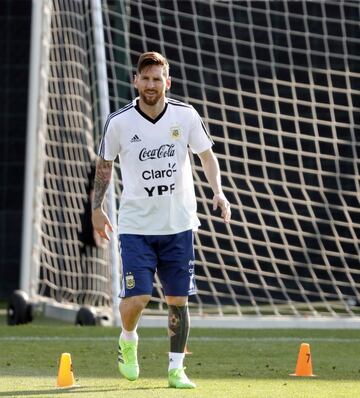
column 178, row 379
column 127, row 359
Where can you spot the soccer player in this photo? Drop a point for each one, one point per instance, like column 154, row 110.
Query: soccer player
column 157, row 214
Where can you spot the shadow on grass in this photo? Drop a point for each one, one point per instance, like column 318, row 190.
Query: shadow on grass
column 56, row 391
column 77, row 389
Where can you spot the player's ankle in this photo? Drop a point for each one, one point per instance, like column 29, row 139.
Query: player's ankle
column 129, row 335
column 176, row 360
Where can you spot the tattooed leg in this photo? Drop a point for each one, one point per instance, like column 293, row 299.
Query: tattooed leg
column 179, row 325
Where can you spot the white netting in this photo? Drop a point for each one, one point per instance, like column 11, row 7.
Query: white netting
column 71, row 269
column 277, row 83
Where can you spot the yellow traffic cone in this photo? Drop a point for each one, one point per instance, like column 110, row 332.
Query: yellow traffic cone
column 65, row 376
column 304, row 364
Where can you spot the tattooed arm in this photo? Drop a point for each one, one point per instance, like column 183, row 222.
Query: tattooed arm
column 102, row 180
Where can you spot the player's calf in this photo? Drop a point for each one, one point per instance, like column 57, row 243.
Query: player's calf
column 178, row 324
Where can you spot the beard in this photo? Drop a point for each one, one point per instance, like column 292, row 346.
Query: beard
column 151, row 97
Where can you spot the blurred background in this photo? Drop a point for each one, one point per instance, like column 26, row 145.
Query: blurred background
column 15, row 22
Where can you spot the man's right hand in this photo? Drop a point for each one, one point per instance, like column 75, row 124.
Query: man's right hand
column 101, row 223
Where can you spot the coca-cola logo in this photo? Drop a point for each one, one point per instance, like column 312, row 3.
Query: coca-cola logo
column 164, row 151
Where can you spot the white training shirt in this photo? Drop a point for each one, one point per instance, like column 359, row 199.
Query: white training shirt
column 158, row 195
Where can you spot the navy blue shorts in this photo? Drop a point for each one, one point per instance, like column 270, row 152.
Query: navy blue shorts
column 171, row 256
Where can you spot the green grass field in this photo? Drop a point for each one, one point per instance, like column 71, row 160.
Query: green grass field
column 224, row 363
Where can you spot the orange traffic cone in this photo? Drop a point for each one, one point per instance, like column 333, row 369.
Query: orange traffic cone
column 304, row 365
column 65, row 376
column 186, row 351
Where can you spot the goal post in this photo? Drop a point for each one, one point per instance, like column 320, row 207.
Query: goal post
column 37, row 99
column 104, row 105
column 277, row 84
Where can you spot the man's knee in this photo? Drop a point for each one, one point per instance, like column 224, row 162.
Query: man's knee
column 176, row 300
column 134, row 303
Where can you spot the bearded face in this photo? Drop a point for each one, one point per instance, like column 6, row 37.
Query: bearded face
column 152, row 84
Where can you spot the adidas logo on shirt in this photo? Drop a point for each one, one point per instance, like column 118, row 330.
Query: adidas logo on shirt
column 135, row 138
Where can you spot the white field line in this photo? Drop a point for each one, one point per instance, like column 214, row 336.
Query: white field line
column 205, row 339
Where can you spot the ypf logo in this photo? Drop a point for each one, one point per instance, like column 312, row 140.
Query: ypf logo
column 160, row 190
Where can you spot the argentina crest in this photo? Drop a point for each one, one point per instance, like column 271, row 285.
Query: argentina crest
column 129, row 281
column 175, row 132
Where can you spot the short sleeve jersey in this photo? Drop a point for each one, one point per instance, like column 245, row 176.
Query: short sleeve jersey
column 158, row 195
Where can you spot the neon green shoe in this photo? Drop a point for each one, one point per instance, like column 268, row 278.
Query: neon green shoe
column 178, row 379
column 127, row 359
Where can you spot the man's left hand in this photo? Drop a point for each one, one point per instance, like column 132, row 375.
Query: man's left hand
column 219, row 200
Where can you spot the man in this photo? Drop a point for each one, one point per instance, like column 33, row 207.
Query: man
column 157, row 214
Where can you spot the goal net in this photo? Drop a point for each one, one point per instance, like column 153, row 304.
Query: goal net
column 277, row 83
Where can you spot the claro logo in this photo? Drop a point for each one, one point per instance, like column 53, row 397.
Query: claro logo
column 155, row 174
column 164, row 151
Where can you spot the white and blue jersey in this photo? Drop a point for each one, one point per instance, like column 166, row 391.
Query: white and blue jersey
column 158, row 196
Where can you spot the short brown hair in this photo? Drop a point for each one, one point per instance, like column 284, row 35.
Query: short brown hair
column 152, row 58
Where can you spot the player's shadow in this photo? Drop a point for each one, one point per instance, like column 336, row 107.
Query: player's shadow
column 54, row 391
column 79, row 389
